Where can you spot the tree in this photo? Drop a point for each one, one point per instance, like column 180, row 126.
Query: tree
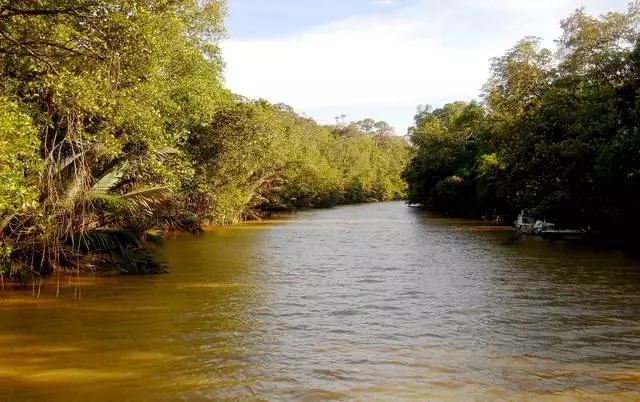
column 102, row 82
column 560, row 136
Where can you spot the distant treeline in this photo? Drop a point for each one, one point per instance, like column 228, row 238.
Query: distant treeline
column 115, row 126
column 555, row 133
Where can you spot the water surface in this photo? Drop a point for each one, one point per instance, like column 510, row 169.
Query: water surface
column 372, row 302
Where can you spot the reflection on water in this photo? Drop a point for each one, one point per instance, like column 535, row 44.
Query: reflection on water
column 377, row 302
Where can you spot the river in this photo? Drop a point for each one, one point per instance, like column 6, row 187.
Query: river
column 370, row 302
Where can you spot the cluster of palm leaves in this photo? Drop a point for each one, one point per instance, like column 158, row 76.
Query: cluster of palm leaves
column 90, row 216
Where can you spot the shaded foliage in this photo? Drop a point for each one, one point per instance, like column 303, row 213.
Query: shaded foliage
column 556, row 134
column 255, row 157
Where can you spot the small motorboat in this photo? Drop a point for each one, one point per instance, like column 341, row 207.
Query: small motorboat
column 524, row 223
column 527, row 224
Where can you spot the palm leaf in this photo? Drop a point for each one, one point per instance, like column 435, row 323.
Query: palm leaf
column 108, row 180
column 142, row 261
column 106, row 240
column 143, row 199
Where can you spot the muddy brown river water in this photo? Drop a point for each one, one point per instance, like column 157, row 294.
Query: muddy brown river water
column 370, row 302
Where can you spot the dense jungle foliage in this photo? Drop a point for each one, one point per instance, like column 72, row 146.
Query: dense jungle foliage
column 115, row 126
column 555, row 133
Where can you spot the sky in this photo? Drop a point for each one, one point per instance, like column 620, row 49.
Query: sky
column 379, row 59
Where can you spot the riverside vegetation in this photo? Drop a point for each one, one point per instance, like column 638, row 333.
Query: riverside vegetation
column 115, row 126
column 555, row 133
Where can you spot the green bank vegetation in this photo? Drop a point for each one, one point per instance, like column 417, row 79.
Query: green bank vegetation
column 115, row 126
column 554, row 133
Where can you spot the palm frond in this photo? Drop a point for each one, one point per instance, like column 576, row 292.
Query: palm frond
column 76, row 188
column 108, row 180
column 165, row 152
column 60, row 165
column 155, row 237
column 105, row 240
column 142, row 261
column 144, row 199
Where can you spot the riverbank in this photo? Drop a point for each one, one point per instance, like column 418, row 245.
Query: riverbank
column 598, row 240
column 151, row 262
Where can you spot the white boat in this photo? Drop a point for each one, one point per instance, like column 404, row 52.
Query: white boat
column 527, row 224
column 524, row 223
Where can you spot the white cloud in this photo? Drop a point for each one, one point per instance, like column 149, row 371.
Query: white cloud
column 437, row 50
column 361, row 60
column 387, row 2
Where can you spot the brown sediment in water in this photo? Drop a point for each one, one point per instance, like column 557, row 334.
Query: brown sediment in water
column 70, row 376
column 622, row 376
column 245, row 225
column 221, row 285
column 41, row 288
column 438, row 311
